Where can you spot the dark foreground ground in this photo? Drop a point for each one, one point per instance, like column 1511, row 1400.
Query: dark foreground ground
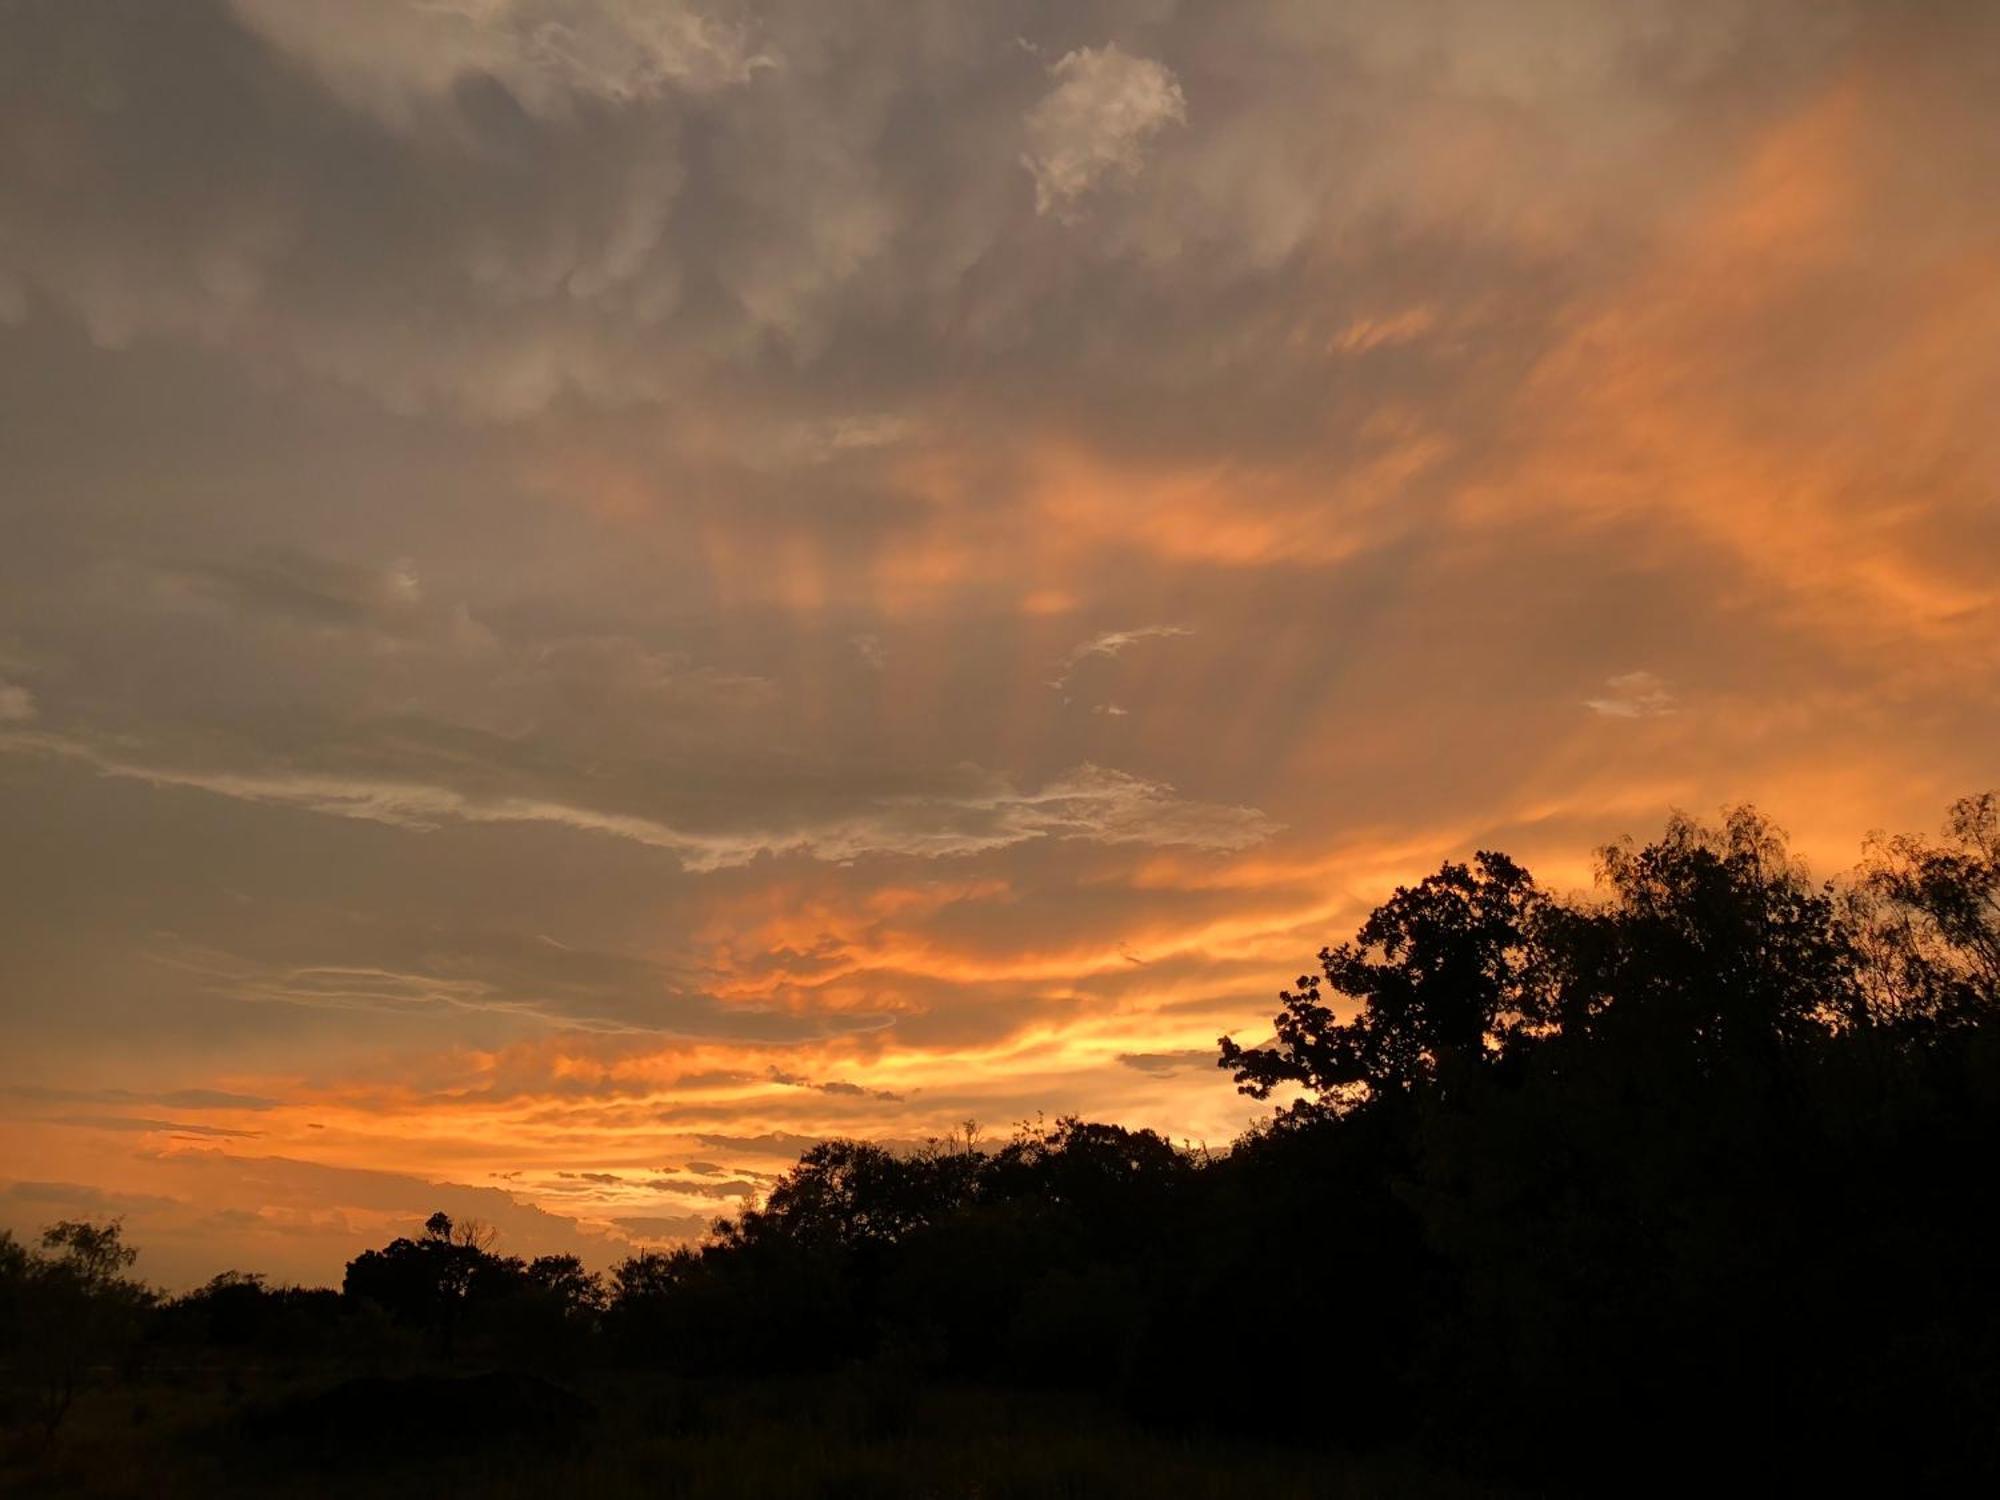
column 210, row 1433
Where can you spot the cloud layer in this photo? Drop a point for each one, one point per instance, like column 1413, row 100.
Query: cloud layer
column 595, row 590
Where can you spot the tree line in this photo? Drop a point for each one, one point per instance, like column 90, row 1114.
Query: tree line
column 1691, row 1173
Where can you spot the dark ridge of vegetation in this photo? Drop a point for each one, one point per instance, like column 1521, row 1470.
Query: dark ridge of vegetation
column 1688, row 1181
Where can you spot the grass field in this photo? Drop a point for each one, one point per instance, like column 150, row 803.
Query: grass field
column 209, row 1432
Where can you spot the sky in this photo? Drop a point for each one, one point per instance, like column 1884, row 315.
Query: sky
column 593, row 591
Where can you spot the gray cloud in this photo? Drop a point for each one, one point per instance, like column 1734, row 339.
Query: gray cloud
column 1165, row 1063
column 836, row 1086
column 1633, row 695
column 396, row 972
column 1102, row 108
column 195, row 1099
column 735, row 1187
column 787, row 1146
column 316, row 589
column 590, row 170
column 401, row 58
column 138, row 1123
column 670, row 1228
column 780, row 1144
column 83, row 1197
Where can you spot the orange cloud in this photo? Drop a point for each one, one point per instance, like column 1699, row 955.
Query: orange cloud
column 1779, row 382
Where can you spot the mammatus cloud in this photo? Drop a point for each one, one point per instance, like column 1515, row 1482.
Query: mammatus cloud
column 1095, row 122
column 1633, row 695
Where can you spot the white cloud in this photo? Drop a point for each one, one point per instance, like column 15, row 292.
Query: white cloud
column 1105, row 106
column 1110, row 643
column 1089, row 802
column 1633, row 695
column 878, row 430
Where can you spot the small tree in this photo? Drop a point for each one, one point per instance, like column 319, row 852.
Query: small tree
column 562, row 1281
column 70, row 1308
column 426, row 1281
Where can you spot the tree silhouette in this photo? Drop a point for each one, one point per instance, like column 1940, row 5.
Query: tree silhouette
column 1932, row 913
column 69, row 1308
column 425, row 1281
column 1696, row 1165
column 449, row 1278
column 1713, row 942
column 1446, row 980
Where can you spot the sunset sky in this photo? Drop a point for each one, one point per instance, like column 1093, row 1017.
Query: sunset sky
column 592, row 591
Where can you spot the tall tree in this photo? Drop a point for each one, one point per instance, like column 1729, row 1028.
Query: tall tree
column 1446, row 980
column 1931, row 913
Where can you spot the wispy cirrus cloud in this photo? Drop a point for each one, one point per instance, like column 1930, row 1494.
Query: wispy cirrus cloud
column 1633, row 695
column 143, row 1125
column 190, row 1099
column 1108, row 644
column 1088, row 802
